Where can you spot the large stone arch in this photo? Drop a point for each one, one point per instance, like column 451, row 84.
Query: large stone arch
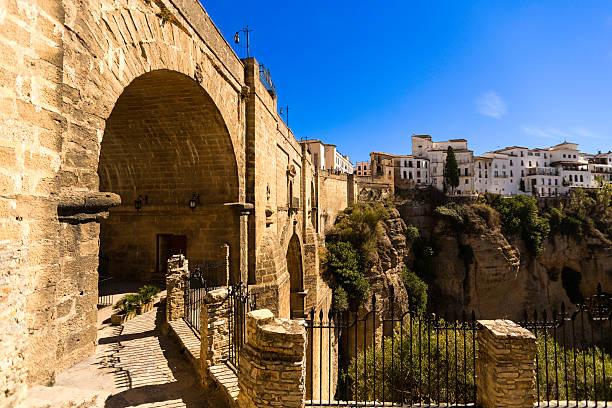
column 166, row 144
column 99, row 48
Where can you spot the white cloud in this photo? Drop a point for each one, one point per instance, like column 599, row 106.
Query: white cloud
column 573, row 134
column 491, row 104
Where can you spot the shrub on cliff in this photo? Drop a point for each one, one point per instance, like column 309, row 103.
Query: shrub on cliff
column 416, row 289
column 412, row 233
column 348, row 284
column 359, row 225
column 519, row 216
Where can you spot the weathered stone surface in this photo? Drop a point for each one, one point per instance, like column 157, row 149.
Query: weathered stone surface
column 272, row 362
column 505, row 365
column 178, row 269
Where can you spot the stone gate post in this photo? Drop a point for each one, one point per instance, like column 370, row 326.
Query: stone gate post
column 214, row 328
column 272, row 362
column 175, row 287
column 505, row 367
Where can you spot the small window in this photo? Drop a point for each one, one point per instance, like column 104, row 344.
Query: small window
column 418, row 164
column 410, row 163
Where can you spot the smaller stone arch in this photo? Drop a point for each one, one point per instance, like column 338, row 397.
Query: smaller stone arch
column 295, row 267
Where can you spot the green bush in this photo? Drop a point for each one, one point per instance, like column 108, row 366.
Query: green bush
column 406, row 377
column 147, row 293
column 416, row 289
column 456, row 214
column 344, row 265
column 128, row 303
column 359, row 225
column 568, row 225
column 412, row 233
column 557, row 364
column 519, row 216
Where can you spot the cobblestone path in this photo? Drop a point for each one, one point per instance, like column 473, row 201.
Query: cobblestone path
column 139, row 366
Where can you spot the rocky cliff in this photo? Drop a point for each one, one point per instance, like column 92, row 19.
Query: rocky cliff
column 475, row 267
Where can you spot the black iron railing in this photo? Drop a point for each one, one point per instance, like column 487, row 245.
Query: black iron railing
column 385, row 359
column 573, row 353
column 240, row 302
column 105, row 295
column 266, row 79
column 196, row 288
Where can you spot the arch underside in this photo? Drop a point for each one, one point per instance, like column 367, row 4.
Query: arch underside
column 166, row 143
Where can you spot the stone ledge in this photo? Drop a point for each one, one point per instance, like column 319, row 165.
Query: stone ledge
column 506, row 329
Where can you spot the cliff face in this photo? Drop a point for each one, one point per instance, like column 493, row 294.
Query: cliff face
column 393, row 253
column 503, row 280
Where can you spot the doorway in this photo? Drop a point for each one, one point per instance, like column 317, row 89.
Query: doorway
column 168, row 245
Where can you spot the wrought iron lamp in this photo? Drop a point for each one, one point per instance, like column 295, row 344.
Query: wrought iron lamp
column 195, row 201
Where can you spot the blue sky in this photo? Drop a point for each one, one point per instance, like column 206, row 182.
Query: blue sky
column 367, row 75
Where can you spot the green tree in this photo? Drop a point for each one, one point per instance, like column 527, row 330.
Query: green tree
column 345, row 266
column 451, row 170
column 416, row 289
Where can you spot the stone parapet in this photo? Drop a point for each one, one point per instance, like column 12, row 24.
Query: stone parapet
column 178, row 268
column 272, row 362
column 505, row 367
column 214, row 323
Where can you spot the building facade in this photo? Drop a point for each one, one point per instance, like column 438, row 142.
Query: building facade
column 543, row 172
column 326, row 156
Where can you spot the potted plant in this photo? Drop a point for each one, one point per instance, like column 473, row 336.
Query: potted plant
column 126, row 309
column 146, row 296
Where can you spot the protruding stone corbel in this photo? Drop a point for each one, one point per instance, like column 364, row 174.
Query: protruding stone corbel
column 245, row 92
column 77, row 207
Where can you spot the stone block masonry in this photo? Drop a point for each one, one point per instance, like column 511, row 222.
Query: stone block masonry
column 272, row 362
column 214, row 328
column 178, row 268
column 505, row 365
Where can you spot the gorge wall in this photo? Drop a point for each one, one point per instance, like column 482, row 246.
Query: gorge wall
column 476, row 267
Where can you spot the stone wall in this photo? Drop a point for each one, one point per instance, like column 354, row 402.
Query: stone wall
column 145, row 99
column 505, row 365
column 178, row 268
column 214, row 325
column 272, row 362
column 333, row 197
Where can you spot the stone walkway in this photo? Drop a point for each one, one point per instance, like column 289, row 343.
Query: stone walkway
column 139, row 367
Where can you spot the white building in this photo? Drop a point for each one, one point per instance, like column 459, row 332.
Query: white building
column 327, row 157
column 435, row 152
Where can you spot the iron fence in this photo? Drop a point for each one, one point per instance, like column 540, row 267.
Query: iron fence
column 240, row 302
column 196, row 288
column 105, row 295
column 418, row 359
column 573, row 360
column 266, row 79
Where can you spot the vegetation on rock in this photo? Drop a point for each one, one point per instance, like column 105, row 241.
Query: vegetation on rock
column 351, row 246
column 416, row 289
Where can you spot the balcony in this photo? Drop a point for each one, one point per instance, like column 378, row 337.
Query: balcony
column 542, row 171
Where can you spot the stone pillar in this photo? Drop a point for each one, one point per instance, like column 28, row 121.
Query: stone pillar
column 272, row 362
column 226, row 259
column 214, row 328
column 175, row 287
column 505, row 366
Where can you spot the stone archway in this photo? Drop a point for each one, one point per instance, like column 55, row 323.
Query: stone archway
column 166, row 145
column 295, row 267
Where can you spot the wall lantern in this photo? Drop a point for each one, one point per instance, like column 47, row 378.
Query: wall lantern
column 139, row 202
column 195, row 201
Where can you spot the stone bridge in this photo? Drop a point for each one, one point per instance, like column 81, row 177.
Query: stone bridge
column 129, row 131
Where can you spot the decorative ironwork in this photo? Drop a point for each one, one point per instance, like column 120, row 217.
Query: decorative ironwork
column 573, row 359
column 241, row 301
column 196, row 288
column 419, row 359
column 266, row 79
